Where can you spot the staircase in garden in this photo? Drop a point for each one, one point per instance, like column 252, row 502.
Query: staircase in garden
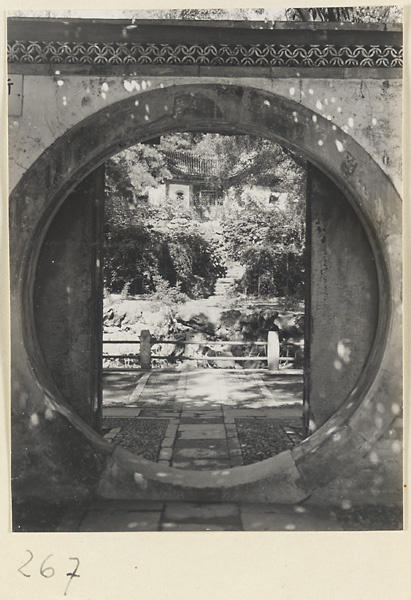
column 223, row 285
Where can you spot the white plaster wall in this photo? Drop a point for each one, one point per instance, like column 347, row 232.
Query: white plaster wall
column 368, row 110
column 177, row 187
column 156, row 195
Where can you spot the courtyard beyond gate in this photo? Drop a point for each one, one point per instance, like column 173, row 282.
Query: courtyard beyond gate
column 203, row 419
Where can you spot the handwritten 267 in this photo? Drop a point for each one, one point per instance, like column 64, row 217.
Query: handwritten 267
column 48, row 571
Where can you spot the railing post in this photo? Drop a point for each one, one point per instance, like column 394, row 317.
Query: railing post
column 273, row 351
column 145, row 349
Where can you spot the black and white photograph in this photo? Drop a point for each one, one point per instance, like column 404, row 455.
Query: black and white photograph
column 205, row 233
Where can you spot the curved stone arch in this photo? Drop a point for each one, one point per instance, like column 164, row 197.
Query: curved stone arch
column 351, row 432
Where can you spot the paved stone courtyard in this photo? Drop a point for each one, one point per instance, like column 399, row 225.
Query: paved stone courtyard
column 204, row 419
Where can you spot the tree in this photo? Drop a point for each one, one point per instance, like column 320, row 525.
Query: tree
column 139, row 249
column 269, row 243
column 359, row 14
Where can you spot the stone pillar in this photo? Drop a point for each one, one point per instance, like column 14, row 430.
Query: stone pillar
column 145, row 349
column 273, row 351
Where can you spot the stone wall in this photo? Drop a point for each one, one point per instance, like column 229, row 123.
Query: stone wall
column 369, row 110
column 354, row 160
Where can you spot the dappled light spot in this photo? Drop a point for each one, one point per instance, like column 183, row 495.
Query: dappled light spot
column 290, row 527
column 340, row 146
column 339, row 109
column 337, row 365
column 381, row 408
column 300, row 509
column 60, row 82
column 292, row 91
column 396, row 446
column 140, row 480
column 64, row 100
column 104, row 87
column 346, row 504
column 395, row 408
column 337, row 437
column 56, row 72
column 131, row 85
column 378, row 422
column 374, row 458
column 311, row 91
column 49, row 414
column 374, row 121
column 319, row 105
column 351, row 122
column 103, row 95
column 320, row 142
column 312, row 425
column 69, row 289
column 343, row 351
column 314, row 118
column 333, row 100
column 34, row 420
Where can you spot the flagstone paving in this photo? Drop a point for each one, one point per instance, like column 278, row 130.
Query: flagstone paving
column 155, row 515
column 203, row 419
column 129, row 515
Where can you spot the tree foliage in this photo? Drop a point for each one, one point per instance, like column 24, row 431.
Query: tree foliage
column 269, row 243
column 357, row 14
column 144, row 244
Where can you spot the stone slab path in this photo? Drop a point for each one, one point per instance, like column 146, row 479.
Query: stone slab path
column 210, row 413
column 130, row 515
